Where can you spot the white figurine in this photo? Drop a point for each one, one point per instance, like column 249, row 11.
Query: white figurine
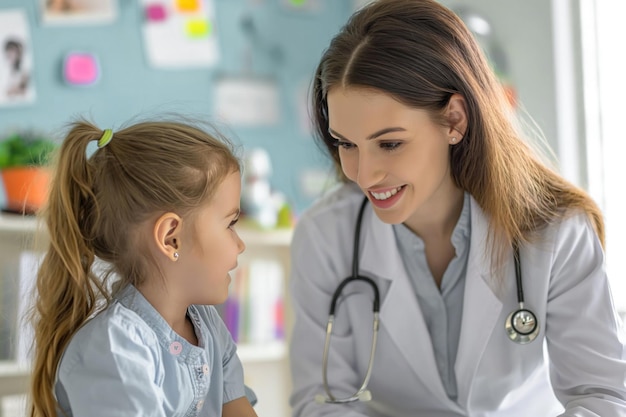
column 258, row 201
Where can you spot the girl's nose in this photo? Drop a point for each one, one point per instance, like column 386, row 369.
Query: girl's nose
column 240, row 244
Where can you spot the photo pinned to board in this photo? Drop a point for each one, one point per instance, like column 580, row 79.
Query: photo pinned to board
column 16, row 64
column 78, row 12
column 180, row 33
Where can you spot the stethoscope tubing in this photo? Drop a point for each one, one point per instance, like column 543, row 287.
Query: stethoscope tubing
column 330, row 398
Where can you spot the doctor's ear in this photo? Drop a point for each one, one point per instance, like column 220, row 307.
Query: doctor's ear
column 456, row 118
column 167, row 234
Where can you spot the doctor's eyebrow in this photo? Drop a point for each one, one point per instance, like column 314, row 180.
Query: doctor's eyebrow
column 373, row 135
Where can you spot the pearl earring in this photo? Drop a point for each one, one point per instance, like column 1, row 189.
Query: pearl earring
column 452, row 140
column 175, row 256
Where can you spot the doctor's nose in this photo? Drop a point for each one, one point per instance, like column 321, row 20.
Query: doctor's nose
column 369, row 171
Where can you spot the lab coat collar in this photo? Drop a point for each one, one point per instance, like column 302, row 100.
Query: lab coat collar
column 481, row 306
column 401, row 314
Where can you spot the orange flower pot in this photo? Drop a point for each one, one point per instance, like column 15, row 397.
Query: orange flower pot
column 26, row 188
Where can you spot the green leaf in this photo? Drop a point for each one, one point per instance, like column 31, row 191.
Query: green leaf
column 25, row 149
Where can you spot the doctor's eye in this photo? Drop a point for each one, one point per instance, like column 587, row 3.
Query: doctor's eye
column 343, row 144
column 390, row 146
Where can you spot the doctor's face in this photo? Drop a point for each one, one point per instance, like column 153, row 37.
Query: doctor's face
column 397, row 154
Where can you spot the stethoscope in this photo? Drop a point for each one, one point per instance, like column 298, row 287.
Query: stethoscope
column 521, row 325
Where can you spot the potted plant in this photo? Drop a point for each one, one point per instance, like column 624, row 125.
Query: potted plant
column 23, row 160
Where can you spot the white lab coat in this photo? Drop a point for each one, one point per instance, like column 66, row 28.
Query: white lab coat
column 575, row 367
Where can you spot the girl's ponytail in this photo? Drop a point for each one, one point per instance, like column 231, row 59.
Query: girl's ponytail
column 67, row 289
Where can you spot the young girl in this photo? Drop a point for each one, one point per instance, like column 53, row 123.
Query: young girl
column 489, row 266
column 155, row 207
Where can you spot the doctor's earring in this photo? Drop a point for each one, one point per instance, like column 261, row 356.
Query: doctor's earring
column 452, row 140
column 175, row 255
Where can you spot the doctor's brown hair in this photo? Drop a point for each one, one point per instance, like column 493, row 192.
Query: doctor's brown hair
column 421, row 54
column 94, row 209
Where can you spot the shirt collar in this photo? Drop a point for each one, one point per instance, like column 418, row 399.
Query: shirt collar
column 131, row 298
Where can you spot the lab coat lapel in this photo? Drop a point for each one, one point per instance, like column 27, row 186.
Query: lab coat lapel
column 481, row 306
column 400, row 312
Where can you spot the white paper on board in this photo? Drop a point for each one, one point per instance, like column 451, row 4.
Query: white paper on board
column 168, row 42
column 247, row 101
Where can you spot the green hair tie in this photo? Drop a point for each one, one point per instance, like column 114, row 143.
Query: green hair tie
column 106, row 138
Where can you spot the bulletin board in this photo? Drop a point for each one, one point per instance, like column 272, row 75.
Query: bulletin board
column 120, row 78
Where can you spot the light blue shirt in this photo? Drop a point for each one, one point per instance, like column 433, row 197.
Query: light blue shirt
column 442, row 308
column 127, row 361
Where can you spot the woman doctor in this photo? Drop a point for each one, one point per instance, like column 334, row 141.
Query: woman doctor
column 408, row 108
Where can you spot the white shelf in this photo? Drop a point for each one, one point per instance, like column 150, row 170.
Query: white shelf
column 275, row 237
column 14, row 378
column 18, row 224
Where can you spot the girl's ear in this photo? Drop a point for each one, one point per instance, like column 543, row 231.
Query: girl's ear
column 456, row 116
column 167, row 234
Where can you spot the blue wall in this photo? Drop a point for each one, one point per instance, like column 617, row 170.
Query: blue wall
column 130, row 87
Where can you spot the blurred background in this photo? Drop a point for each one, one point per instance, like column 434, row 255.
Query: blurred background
column 246, row 67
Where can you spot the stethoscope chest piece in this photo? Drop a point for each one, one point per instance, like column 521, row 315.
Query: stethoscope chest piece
column 522, row 326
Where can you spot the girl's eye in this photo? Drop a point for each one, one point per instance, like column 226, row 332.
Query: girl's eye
column 343, row 144
column 390, row 146
column 233, row 223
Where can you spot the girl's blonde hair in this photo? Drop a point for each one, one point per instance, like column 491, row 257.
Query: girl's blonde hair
column 421, row 53
column 94, row 207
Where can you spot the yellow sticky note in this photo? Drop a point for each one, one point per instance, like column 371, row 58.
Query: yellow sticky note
column 197, row 28
column 188, row 5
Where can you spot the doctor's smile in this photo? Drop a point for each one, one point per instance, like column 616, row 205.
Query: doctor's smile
column 386, row 198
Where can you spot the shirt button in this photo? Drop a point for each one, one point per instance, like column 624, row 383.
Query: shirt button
column 200, row 404
column 205, row 369
column 176, row 348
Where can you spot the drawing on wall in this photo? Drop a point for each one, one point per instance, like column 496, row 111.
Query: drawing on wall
column 16, row 83
column 180, row 33
column 69, row 12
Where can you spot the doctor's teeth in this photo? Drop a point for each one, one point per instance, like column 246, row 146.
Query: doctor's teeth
column 386, row 195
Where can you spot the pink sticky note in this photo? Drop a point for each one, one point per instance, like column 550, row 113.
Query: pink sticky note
column 155, row 12
column 81, row 69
